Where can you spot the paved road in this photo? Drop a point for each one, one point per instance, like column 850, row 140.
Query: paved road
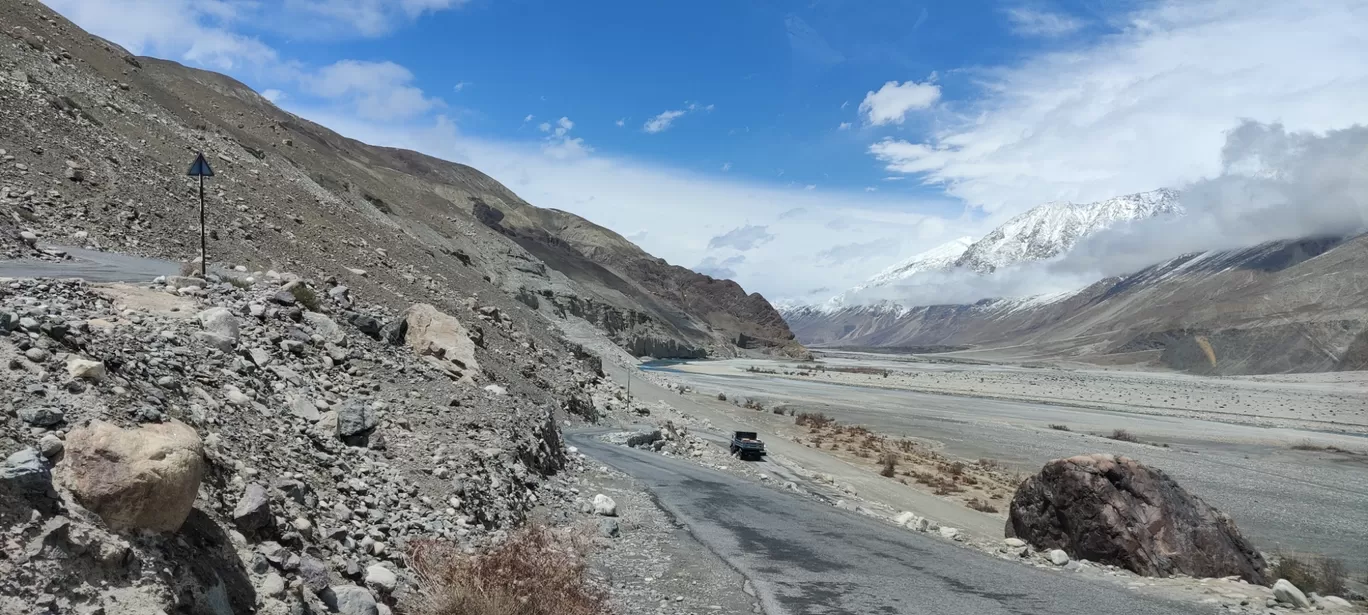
column 1285, row 500
column 91, row 266
column 805, row 558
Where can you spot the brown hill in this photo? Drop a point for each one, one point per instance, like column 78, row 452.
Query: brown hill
column 97, row 142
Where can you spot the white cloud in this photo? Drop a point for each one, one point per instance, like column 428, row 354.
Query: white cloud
column 377, row 90
column 810, row 187
column 890, row 104
column 186, row 30
column 844, row 126
column 460, row 85
column 871, row 189
column 560, row 144
column 844, row 105
column 621, row 122
column 742, row 238
column 726, row 166
column 709, row 108
column 360, row 17
column 1148, row 107
column 1028, row 21
column 544, row 127
column 527, row 118
column 274, row 96
column 661, row 123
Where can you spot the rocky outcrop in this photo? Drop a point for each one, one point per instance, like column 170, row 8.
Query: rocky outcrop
column 440, row 339
column 1115, row 510
column 144, row 478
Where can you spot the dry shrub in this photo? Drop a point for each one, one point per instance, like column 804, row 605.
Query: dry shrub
column 1059, row 427
column 721, row 397
column 980, row 505
column 813, row 420
column 1123, row 436
column 1323, row 575
column 533, row 572
column 889, row 461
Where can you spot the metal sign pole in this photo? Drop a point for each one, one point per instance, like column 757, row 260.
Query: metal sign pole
column 200, row 168
column 204, row 251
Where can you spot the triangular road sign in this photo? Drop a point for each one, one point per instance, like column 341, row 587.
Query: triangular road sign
column 200, row 168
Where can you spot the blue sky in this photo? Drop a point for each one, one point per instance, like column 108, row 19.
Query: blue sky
column 796, row 147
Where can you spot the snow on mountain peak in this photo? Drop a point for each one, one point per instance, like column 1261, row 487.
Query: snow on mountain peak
column 1053, row 228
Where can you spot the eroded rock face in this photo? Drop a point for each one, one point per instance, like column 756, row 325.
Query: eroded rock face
column 144, row 478
column 1115, row 510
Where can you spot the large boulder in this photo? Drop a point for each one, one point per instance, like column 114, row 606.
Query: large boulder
column 441, row 339
column 144, row 478
column 1115, row 510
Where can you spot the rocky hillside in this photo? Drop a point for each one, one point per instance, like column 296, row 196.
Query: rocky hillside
column 1294, row 306
column 96, row 142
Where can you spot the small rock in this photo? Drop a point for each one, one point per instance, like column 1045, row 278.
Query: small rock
column 85, row 369
column 381, row 579
column 605, row 506
column 253, row 511
column 349, row 600
column 949, row 532
column 1014, row 542
column 272, row 585
column 26, row 470
column 1284, row 591
column 36, row 354
column 608, row 528
column 50, row 445
column 40, row 416
column 1058, row 557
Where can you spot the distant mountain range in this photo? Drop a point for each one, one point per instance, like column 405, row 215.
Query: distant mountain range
column 1283, row 306
column 1043, row 232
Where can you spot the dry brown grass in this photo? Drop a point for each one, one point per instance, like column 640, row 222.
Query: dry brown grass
column 533, row 572
column 813, row 420
column 1122, row 436
column 980, row 505
column 1311, row 573
column 889, row 463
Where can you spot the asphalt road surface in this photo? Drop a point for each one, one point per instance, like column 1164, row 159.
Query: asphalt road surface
column 1283, row 499
column 806, row 558
column 91, row 266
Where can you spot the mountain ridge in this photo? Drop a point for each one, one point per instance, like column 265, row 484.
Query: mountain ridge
column 292, row 194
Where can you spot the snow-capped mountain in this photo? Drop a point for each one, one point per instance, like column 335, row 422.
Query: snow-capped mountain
column 1053, row 228
column 1042, row 232
column 940, row 257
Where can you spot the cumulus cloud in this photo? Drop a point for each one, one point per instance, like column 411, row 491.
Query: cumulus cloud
column 1146, row 107
column 742, row 238
column 1028, row 21
column 377, row 90
column 844, row 126
column 891, row 103
column 274, row 95
column 662, row 122
column 460, row 85
column 560, row 144
column 726, row 166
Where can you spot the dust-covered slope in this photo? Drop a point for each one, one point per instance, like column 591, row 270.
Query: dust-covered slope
column 291, row 194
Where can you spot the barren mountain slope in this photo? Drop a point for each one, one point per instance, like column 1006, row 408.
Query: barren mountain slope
column 1281, row 307
column 290, row 194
